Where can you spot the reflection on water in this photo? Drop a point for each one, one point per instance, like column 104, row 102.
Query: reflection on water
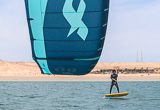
column 77, row 96
column 116, row 98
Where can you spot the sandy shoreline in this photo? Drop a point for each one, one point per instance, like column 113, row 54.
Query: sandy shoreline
column 29, row 71
column 89, row 77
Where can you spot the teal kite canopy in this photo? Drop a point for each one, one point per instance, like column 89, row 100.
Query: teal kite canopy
column 67, row 36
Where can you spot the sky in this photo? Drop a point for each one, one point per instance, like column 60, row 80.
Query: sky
column 133, row 28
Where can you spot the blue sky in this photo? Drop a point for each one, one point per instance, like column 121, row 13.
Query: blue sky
column 134, row 26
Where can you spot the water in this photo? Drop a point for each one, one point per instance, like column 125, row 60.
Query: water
column 77, row 96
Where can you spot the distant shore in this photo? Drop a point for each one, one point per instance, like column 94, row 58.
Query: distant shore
column 29, row 71
column 88, row 77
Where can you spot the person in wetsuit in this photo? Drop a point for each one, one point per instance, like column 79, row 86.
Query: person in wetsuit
column 114, row 81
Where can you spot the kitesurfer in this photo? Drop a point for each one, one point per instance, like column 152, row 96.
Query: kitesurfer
column 114, row 81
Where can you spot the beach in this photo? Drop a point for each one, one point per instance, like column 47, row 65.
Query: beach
column 88, row 77
column 29, row 71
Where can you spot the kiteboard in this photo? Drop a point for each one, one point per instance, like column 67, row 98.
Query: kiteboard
column 116, row 94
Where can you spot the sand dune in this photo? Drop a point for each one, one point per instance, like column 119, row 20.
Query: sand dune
column 29, row 71
column 18, row 68
column 31, row 68
column 126, row 65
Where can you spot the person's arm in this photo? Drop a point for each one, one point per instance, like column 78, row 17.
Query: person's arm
column 116, row 78
column 111, row 77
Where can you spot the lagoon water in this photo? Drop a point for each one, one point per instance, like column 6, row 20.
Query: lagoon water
column 78, row 96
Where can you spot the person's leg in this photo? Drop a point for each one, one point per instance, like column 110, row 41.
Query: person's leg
column 111, row 88
column 117, row 87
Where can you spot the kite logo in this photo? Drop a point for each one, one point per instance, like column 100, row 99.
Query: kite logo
column 74, row 18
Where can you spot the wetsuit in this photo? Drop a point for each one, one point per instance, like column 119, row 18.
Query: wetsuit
column 114, row 82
